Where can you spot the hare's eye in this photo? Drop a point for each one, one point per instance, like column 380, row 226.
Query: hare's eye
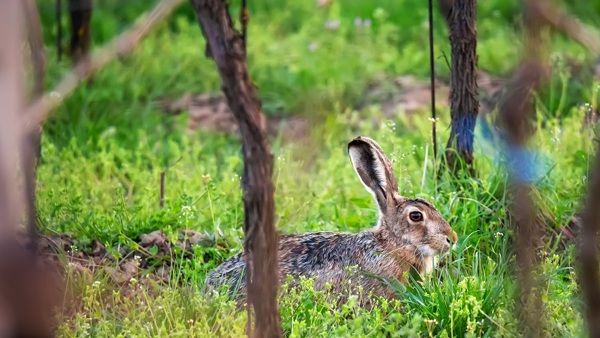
column 415, row 216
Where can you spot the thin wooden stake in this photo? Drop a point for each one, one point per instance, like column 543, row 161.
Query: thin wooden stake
column 162, row 188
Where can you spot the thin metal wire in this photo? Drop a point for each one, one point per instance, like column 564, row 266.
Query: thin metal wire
column 432, row 70
column 58, row 13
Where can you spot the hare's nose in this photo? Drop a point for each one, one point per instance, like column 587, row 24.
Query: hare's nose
column 452, row 237
column 452, row 241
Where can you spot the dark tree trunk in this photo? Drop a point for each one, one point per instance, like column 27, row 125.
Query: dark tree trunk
column 464, row 104
column 80, row 13
column 225, row 46
column 58, row 17
column 445, row 7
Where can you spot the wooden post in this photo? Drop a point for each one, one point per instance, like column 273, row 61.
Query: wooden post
column 80, row 13
column 464, row 103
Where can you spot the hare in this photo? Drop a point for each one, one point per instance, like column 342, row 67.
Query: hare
column 409, row 234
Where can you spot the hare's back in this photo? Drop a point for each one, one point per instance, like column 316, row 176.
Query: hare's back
column 325, row 256
column 315, row 254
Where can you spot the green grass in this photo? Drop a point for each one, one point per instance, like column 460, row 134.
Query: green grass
column 104, row 149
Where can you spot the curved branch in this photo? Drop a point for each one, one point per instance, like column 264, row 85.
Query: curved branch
column 122, row 45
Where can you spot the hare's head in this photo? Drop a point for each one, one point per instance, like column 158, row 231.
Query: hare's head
column 411, row 221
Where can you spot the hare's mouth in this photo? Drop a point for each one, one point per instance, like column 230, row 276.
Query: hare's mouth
column 430, row 263
column 430, row 258
column 428, row 251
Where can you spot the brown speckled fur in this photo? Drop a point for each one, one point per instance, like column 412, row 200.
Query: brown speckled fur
column 348, row 260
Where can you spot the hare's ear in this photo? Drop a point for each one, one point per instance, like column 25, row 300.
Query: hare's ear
column 374, row 170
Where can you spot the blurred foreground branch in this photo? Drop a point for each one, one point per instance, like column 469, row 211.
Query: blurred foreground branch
column 568, row 24
column 27, row 300
column 37, row 113
column 553, row 17
column 32, row 139
column 589, row 274
column 36, row 45
column 12, row 97
column 226, row 47
column 515, row 114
